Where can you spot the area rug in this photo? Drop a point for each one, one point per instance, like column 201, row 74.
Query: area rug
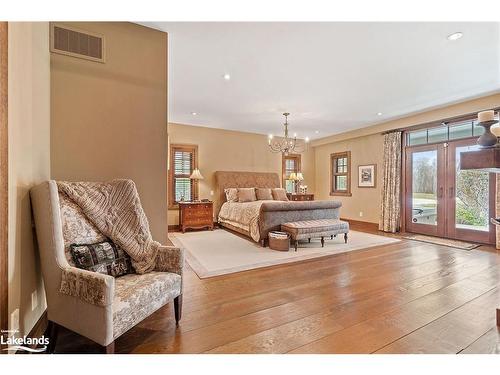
column 442, row 241
column 220, row 252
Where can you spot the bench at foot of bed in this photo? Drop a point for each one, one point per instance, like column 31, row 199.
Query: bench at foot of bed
column 321, row 228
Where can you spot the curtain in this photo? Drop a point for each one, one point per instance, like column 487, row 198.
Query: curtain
column 497, row 209
column 390, row 206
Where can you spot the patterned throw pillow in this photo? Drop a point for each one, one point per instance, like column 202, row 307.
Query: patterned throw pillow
column 231, row 195
column 103, row 257
column 246, row 195
column 279, row 194
column 264, row 194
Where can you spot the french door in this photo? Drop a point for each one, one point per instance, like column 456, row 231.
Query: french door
column 443, row 200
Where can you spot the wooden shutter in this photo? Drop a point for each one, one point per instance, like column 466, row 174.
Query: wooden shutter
column 183, row 162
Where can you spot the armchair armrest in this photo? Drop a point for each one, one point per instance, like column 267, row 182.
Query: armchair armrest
column 91, row 287
column 170, row 259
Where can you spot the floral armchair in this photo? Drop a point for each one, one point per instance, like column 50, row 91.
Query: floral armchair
column 97, row 306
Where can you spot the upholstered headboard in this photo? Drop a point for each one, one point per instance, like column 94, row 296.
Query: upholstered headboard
column 224, row 180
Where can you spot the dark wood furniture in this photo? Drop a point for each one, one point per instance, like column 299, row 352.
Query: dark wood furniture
column 300, row 197
column 486, row 160
column 196, row 215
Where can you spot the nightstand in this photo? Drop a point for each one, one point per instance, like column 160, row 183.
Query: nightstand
column 196, row 215
column 300, row 197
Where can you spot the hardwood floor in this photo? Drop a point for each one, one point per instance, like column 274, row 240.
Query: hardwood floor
column 407, row 297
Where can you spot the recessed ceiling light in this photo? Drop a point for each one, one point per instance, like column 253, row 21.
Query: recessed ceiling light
column 226, row 76
column 194, row 113
column 317, row 132
column 379, row 113
column 455, row 36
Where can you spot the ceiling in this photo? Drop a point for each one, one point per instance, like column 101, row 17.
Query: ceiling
column 331, row 77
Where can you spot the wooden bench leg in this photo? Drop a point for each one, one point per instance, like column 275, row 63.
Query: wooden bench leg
column 178, row 308
column 498, row 317
column 322, row 241
column 309, row 240
column 345, row 237
column 296, row 243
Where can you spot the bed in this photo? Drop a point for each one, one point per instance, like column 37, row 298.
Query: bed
column 257, row 219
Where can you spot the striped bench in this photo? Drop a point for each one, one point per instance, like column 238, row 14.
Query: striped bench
column 301, row 230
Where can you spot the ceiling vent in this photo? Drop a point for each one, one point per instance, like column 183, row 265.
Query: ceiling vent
column 77, row 43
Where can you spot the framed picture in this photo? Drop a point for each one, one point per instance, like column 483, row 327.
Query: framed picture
column 367, row 176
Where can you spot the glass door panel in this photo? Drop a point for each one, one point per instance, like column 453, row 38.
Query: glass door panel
column 424, row 187
column 470, row 198
column 424, row 206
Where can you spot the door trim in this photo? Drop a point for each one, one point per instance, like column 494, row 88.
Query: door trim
column 4, row 184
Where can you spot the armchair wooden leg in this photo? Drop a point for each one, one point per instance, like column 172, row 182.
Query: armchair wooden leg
column 110, row 349
column 498, row 317
column 322, row 241
column 345, row 237
column 52, row 331
column 178, row 308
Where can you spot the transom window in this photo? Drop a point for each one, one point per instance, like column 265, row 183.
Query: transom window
column 182, row 163
column 340, row 166
column 445, row 132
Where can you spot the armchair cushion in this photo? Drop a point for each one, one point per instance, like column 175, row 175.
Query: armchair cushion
column 103, row 257
column 76, row 227
column 91, row 287
column 170, row 259
column 138, row 296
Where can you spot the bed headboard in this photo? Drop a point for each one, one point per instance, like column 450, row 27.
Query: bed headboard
column 224, row 180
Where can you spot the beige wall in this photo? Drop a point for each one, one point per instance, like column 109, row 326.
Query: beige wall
column 366, row 146
column 364, row 150
column 29, row 160
column 225, row 150
column 109, row 120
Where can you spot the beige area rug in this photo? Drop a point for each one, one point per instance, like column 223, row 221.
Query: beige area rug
column 442, row 241
column 220, row 252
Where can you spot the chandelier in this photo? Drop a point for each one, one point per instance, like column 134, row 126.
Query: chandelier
column 285, row 144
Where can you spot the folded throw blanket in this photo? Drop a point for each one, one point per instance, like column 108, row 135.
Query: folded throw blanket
column 115, row 209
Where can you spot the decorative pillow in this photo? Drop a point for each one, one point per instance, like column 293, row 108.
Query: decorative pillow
column 103, row 257
column 231, row 195
column 279, row 194
column 264, row 194
column 246, row 195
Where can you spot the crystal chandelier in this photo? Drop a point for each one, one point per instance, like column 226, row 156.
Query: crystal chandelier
column 286, row 145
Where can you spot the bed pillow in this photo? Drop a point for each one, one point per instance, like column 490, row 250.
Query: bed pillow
column 279, row 194
column 246, row 195
column 103, row 257
column 264, row 194
column 231, row 195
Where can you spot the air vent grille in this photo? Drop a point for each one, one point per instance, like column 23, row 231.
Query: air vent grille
column 77, row 43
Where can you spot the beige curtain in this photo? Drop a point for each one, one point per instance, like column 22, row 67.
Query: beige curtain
column 390, row 206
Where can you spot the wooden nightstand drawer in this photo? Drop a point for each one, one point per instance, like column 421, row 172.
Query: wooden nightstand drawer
column 195, row 215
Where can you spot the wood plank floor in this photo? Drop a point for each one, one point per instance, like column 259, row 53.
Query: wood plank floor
column 407, row 297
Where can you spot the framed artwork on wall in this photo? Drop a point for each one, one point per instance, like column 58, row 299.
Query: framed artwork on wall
column 367, row 176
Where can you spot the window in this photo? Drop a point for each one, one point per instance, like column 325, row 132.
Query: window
column 340, row 165
column 290, row 164
column 183, row 159
column 460, row 129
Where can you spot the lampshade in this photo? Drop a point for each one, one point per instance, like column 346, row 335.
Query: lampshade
column 196, row 175
column 293, row 176
column 300, row 176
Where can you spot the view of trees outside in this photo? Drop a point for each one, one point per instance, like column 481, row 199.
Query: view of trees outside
column 472, row 196
column 424, row 187
column 472, row 192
